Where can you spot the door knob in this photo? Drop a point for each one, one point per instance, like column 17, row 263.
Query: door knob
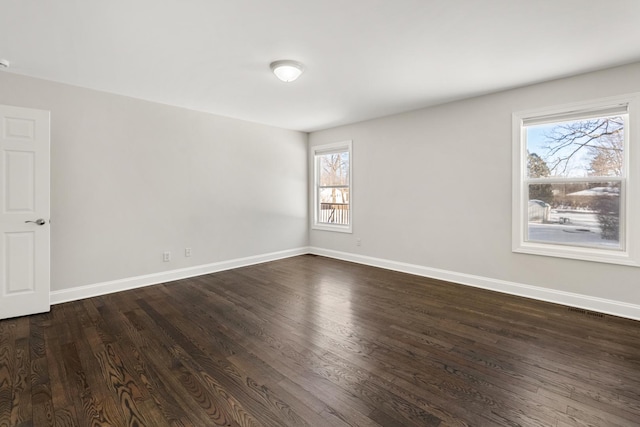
column 39, row 221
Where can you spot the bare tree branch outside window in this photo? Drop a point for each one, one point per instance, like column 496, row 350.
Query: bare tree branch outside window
column 599, row 138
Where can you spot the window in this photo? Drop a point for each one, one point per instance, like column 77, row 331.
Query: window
column 575, row 181
column 332, row 187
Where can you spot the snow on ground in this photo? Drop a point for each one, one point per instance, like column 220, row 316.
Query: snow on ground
column 571, row 227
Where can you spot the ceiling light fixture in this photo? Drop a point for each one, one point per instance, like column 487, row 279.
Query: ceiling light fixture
column 4, row 63
column 286, row 69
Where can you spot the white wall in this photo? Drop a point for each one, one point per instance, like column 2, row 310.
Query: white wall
column 131, row 179
column 432, row 188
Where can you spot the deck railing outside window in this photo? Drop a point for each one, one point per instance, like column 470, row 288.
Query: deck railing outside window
column 334, row 213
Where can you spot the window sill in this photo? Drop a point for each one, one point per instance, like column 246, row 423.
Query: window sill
column 581, row 254
column 335, row 228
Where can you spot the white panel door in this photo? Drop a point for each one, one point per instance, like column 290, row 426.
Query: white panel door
column 24, row 211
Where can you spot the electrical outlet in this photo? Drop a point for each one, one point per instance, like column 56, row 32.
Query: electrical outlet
column 358, row 242
column 187, row 251
column 166, row 256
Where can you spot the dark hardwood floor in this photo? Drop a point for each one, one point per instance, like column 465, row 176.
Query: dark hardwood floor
column 310, row 341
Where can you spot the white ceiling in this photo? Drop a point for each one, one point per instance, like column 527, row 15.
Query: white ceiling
column 364, row 58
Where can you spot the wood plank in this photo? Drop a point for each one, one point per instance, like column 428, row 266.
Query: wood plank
column 43, row 411
column 7, row 370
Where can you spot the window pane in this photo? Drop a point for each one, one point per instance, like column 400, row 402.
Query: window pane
column 334, row 206
column 334, row 169
column 338, row 195
column 577, row 148
column 578, row 213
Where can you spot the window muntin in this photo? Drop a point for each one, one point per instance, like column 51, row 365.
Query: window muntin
column 332, row 182
column 572, row 185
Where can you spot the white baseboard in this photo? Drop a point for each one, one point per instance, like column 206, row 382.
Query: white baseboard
column 601, row 305
column 88, row 291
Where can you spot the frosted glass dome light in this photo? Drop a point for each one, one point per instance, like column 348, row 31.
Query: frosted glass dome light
column 287, row 70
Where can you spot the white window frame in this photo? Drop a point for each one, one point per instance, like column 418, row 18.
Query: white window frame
column 630, row 191
column 316, row 151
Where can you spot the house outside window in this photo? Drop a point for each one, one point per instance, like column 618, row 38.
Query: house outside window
column 575, row 181
column 332, row 187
